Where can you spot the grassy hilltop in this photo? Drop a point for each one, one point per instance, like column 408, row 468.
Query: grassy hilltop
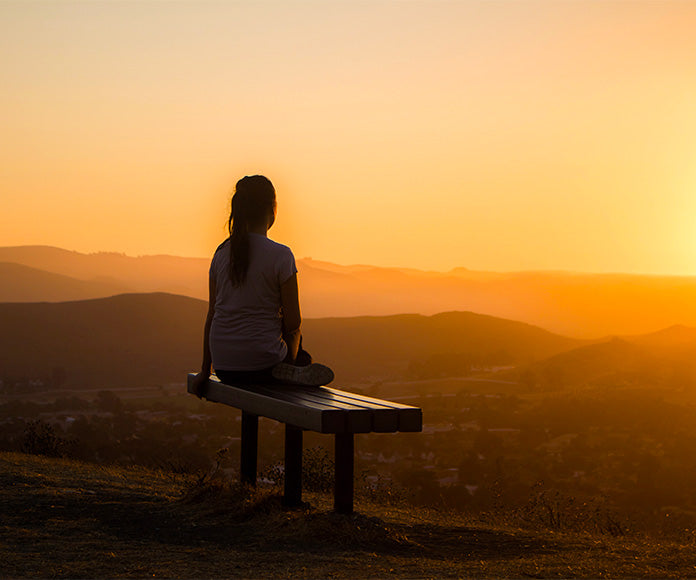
column 68, row 519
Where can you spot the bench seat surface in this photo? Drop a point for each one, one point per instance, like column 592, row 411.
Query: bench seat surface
column 321, row 409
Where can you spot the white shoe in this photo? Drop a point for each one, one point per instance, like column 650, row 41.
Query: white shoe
column 313, row 375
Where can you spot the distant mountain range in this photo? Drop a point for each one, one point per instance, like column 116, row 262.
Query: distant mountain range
column 19, row 283
column 111, row 271
column 140, row 339
column 150, row 339
column 581, row 305
column 646, row 361
column 144, row 339
column 410, row 345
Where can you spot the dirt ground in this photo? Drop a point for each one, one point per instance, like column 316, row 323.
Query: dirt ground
column 61, row 518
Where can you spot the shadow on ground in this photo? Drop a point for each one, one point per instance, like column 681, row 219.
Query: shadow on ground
column 242, row 519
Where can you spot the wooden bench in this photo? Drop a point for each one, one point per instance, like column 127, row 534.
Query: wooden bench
column 320, row 409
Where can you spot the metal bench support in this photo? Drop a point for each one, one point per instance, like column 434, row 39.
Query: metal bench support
column 343, row 492
column 293, row 466
column 250, row 444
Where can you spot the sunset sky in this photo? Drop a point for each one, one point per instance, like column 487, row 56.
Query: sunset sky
column 491, row 135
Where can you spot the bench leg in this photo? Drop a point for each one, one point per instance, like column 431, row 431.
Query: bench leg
column 293, row 466
column 343, row 491
column 250, row 443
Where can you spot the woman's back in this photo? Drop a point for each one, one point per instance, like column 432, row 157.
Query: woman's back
column 246, row 331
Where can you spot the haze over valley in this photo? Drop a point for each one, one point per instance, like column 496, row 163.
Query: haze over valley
column 580, row 305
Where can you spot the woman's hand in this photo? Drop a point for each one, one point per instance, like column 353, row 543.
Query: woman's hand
column 201, row 379
column 200, row 382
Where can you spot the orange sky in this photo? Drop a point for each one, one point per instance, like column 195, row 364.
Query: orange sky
column 491, row 135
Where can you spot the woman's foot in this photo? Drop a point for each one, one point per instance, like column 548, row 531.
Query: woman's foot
column 314, row 375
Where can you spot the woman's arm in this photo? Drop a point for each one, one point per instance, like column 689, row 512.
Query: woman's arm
column 290, row 303
column 202, row 377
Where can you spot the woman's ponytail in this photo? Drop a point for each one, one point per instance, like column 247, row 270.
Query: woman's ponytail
column 252, row 201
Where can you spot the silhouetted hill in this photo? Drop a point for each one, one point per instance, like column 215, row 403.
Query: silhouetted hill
column 24, row 284
column 141, row 339
column 404, row 344
column 664, row 358
column 675, row 337
column 130, row 339
column 609, row 363
column 575, row 304
column 172, row 274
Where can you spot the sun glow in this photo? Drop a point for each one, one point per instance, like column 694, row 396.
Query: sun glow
column 501, row 136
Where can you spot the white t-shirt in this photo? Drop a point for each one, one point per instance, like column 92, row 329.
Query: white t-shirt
column 246, row 333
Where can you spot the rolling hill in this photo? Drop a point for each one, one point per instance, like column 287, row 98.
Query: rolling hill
column 664, row 359
column 608, row 363
column 25, row 284
column 574, row 304
column 172, row 274
column 146, row 339
column 397, row 345
column 675, row 339
column 130, row 339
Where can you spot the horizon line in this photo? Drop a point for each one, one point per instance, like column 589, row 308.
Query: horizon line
column 452, row 270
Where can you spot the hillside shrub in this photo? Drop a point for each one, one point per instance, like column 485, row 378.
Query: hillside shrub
column 554, row 510
column 41, row 438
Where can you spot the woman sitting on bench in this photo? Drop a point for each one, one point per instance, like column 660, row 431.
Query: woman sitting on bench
column 252, row 330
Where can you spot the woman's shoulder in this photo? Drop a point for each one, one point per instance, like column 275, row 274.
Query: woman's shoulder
column 222, row 245
column 221, row 253
column 271, row 245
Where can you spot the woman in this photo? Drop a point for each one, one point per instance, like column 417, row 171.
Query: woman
column 252, row 331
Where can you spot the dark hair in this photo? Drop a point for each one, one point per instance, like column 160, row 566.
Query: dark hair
column 253, row 200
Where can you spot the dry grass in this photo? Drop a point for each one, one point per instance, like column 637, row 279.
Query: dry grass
column 67, row 519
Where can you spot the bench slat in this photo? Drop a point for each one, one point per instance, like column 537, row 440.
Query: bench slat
column 321, row 409
column 311, row 418
column 366, row 399
column 384, row 419
column 358, row 419
column 410, row 418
